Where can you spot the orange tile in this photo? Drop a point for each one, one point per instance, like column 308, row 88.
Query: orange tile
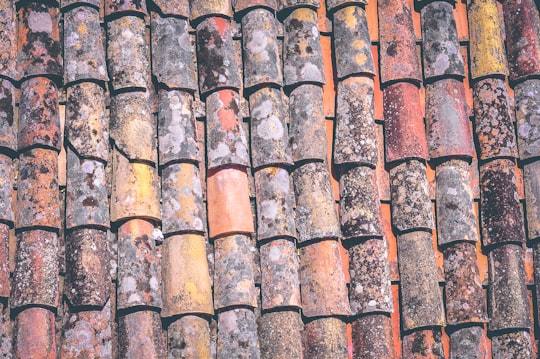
column 432, row 183
column 468, row 91
column 377, row 93
column 460, row 15
column 334, row 174
column 439, row 259
column 391, row 242
column 482, row 264
column 344, row 260
column 519, row 178
column 325, row 25
column 396, row 327
column 329, row 90
column 349, row 342
column 529, row 267
column 446, row 343
column 416, row 22
column 372, row 20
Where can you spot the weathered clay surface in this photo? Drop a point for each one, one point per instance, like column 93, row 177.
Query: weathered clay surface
column 87, row 126
column 359, row 210
column 411, row 205
column 84, row 54
column 456, row 216
column 117, row 7
column 501, row 214
column 322, row 281
column 186, row 282
column 139, row 275
column 182, row 206
column 269, row 133
column 202, row 9
column 516, row 345
column 173, row 53
column 275, row 202
column 127, row 53
column 316, row 216
column 262, row 61
column 421, row 300
column 88, row 281
column 226, row 139
column 522, row 26
column 280, row 281
column 237, row 334
column 325, row 338
column 404, row 132
column 423, row 344
column 173, row 7
column 355, row 139
column 234, row 282
column 352, row 44
column 35, row 278
column 189, row 337
column 468, row 343
column 33, row 335
column 133, row 127
column 39, row 50
column 135, row 190
column 86, row 198
column 333, row 5
column 372, row 337
column 532, row 198
column 6, row 332
column 465, row 301
column 527, row 100
column 5, row 282
column 440, row 46
column 37, row 195
column 302, row 54
column 140, row 336
column 39, row 122
column 218, row 68
column 508, row 299
column 7, row 182
column 69, row 3
column 399, row 59
column 241, row 6
column 292, row 4
column 280, row 335
column 307, row 130
column 370, row 289
column 493, row 120
column 8, row 121
column 447, row 123
column 8, row 37
column 487, row 51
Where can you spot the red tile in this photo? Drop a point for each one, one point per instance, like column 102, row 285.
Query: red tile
column 329, row 88
column 377, row 92
column 373, row 21
column 34, row 334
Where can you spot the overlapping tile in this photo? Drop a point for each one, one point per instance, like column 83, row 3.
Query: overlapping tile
column 532, row 196
column 285, row 5
column 280, row 335
column 189, row 337
column 140, row 336
column 7, row 182
column 425, row 343
column 237, row 334
column 5, row 280
column 372, row 337
column 241, row 6
column 527, row 106
column 325, row 337
column 8, row 121
column 515, row 345
column 203, row 9
column 468, row 342
column 122, row 7
column 8, row 37
column 33, row 335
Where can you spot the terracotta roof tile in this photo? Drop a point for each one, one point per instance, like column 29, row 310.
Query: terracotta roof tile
column 95, row 3
column 5, row 282
column 140, row 336
column 285, row 342
column 373, row 337
column 8, row 122
column 123, row 8
column 527, row 104
column 8, row 37
column 334, row 5
column 329, row 87
column 203, row 9
column 373, row 23
column 7, row 182
column 325, row 337
column 189, row 337
column 177, row 8
column 34, row 334
column 469, row 343
column 241, row 6
column 293, row 4
column 423, row 344
column 532, row 193
column 237, row 334
column 355, row 140
column 513, row 345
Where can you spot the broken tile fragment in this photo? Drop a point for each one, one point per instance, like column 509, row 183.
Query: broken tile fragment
column 8, row 37
column 280, row 335
column 307, row 136
column 522, row 30
column 527, row 102
column 487, row 51
column 269, row 133
column 532, row 198
column 203, row 9
column 501, row 214
column 465, row 301
column 87, row 126
column 316, row 216
column 355, row 139
column 37, row 195
column 411, row 205
column 508, row 299
column 275, row 202
column 35, row 278
column 33, row 334
column 172, row 53
column 404, row 133
column 237, row 334
column 39, row 51
column 135, row 190
column 84, row 54
column 280, row 281
column 39, row 121
column 421, row 300
column 226, row 140
column 229, row 210
column 372, row 337
column 456, row 216
column 302, row 54
column 352, row 44
column 88, row 281
column 322, row 281
column 189, row 337
column 359, row 210
column 218, row 68
column 447, row 123
column 133, row 126
column 494, row 119
column 423, row 344
column 127, row 53
column 140, row 336
column 440, row 46
column 234, row 277
column 468, row 342
column 7, row 182
column 8, row 121
column 515, row 345
column 86, row 196
column 186, row 282
column 139, row 275
column 5, row 281
column 325, row 338
column 399, row 59
column 262, row 61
